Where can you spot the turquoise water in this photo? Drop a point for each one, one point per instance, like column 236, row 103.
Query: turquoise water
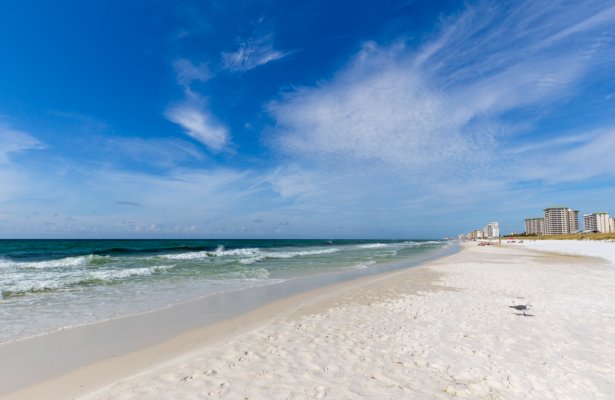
column 47, row 285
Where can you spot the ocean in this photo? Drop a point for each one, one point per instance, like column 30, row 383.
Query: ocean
column 47, row 285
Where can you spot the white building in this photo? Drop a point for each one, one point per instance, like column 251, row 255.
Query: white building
column 598, row 222
column 561, row 220
column 492, row 230
column 535, row 226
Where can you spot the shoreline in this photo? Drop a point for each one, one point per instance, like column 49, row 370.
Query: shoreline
column 171, row 295
column 443, row 329
column 155, row 336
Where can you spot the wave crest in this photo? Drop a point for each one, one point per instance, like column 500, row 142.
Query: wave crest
column 372, row 246
column 67, row 262
column 24, row 287
column 285, row 254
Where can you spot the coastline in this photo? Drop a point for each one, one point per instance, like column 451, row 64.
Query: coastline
column 124, row 345
column 440, row 330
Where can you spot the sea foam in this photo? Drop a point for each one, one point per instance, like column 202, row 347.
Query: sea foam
column 66, row 262
column 23, row 283
column 372, row 246
column 263, row 255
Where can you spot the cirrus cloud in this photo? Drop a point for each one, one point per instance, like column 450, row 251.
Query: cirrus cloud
column 199, row 124
column 450, row 104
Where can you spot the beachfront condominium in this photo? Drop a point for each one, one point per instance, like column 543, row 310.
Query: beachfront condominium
column 476, row 234
column 492, row 230
column 561, row 221
column 535, row 226
column 598, row 222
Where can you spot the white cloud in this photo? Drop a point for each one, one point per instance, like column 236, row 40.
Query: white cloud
column 192, row 115
column 434, row 112
column 160, row 152
column 200, row 125
column 252, row 53
column 12, row 177
column 188, row 72
column 15, row 141
column 370, row 112
column 586, row 159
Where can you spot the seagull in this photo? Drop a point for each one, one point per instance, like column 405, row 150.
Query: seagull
column 522, row 307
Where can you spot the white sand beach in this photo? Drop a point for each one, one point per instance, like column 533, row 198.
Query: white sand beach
column 593, row 248
column 442, row 330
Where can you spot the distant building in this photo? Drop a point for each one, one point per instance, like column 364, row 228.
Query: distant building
column 477, row 234
column 492, row 230
column 535, row 226
column 561, row 221
column 590, row 222
column 598, row 222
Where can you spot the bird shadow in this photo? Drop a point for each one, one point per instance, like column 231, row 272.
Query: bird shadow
column 524, row 314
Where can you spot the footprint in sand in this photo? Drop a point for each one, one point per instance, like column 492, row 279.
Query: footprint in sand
column 319, row 392
column 223, row 388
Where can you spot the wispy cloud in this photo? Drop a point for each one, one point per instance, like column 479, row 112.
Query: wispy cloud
column 445, row 107
column 15, row 141
column 587, row 159
column 128, row 203
column 252, row 53
column 13, row 178
column 188, row 72
column 429, row 130
column 199, row 124
column 158, row 152
column 192, row 114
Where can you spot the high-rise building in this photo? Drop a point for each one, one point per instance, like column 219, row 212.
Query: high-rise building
column 598, row 222
column 535, row 226
column 561, row 220
column 590, row 223
column 477, row 234
column 492, row 230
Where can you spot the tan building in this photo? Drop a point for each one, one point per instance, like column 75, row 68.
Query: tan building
column 477, row 234
column 535, row 226
column 598, row 222
column 561, row 221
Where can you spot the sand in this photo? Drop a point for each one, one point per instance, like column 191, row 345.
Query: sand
column 596, row 248
column 442, row 330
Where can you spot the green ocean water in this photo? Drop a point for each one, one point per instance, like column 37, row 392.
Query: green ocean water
column 47, row 285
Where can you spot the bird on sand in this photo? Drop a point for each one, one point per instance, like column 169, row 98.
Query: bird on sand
column 522, row 307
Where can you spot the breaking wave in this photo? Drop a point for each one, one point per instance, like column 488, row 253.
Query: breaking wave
column 248, row 255
column 67, row 262
column 284, row 254
column 51, row 282
column 372, row 246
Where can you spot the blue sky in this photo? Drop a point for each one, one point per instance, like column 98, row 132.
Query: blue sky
column 369, row 119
